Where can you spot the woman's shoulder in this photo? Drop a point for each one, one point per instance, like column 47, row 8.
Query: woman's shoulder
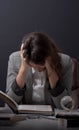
column 14, row 54
column 15, row 57
column 66, row 60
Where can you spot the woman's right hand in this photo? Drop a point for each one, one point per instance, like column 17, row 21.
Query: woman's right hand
column 24, row 63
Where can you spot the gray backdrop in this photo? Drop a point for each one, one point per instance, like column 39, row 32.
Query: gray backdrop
column 58, row 18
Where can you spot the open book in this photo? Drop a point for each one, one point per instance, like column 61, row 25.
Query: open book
column 31, row 109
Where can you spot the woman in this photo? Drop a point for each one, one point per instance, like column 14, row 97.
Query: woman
column 39, row 73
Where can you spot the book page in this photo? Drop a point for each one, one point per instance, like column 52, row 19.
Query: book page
column 11, row 103
column 41, row 109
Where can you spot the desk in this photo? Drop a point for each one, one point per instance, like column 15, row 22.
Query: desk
column 31, row 123
column 11, row 121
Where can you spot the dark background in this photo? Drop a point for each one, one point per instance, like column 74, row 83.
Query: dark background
column 58, row 18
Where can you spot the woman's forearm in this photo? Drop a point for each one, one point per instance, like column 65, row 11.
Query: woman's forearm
column 53, row 78
column 21, row 77
column 52, row 75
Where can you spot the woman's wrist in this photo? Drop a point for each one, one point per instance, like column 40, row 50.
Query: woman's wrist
column 49, row 74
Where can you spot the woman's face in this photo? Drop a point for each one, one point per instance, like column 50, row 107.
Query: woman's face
column 37, row 67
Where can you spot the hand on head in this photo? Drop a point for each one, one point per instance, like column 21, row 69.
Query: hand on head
column 22, row 52
column 23, row 56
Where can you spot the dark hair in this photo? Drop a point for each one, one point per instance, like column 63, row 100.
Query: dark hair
column 38, row 46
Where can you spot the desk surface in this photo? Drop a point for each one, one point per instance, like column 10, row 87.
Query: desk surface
column 13, row 122
column 26, row 121
column 37, row 124
column 33, row 124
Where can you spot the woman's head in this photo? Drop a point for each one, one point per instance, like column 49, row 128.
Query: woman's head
column 38, row 47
